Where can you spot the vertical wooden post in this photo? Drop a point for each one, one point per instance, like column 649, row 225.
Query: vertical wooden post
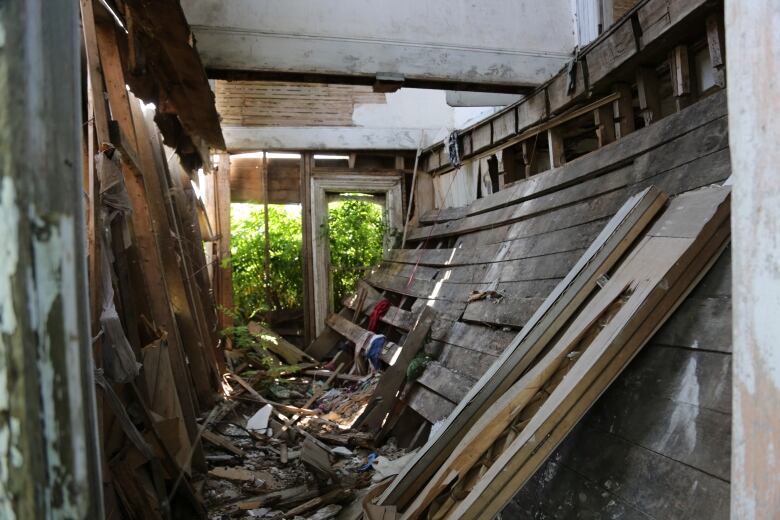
column 528, row 154
column 48, row 429
column 266, row 233
column 649, row 97
column 555, row 145
column 624, row 110
column 680, row 72
column 715, row 45
column 754, row 131
column 224, row 272
column 604, row 118
column 309, row 325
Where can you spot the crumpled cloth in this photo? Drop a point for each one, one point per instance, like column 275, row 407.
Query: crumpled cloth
column 374, row 350
column 380, row 310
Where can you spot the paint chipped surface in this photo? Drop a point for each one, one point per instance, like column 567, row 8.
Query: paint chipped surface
column 9, row 230
column 11, row 459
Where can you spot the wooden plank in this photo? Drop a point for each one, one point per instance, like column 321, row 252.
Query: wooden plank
column 697, row 143
column 649, row 94
column 593, row 466
column 277, row 344
column 677, row 265
column 430, row 405
column 46, row 374
column 204, row 374
column 442, row 215
column 153, row 271
column 611, row 52
column 614, row 240
column 595, row 163
column 482, row 137
column 222, row 442
column 531, row 110
column 702, row 441
column 173, row 65
column 700, row 323
column 508, row 310
column 604, row 118
column 504, row 125
column 392, row 379
column 447, row 383
column 557, row 241
column 657, row 17
column 358, row 335
column 326, row 341
column 680, row 74
column 624, row 110
column 716, row 47
column 559, row 93
column 555, row 148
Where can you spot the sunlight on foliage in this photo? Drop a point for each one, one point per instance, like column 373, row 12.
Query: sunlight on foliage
column 356, row 230
column 247, row 245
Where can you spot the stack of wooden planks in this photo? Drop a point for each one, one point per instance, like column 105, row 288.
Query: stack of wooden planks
column 486, row 269
column 160, row 364
column 508, row 442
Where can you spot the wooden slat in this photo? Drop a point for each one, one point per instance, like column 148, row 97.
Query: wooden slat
column 153, row 271
column 634, row 145
column 392, row 379
column 430, row 405
column 658, row 273
column 614, row 240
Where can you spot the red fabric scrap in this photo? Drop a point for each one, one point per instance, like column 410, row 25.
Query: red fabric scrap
column 379, row 310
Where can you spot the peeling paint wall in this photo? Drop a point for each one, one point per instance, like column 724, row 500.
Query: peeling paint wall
column 48, row 449
column 753, row 36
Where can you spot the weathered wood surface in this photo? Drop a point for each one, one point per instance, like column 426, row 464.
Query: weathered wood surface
column 612, row 242
column 668, row 414
column 565, row 209
column 684, row 242
column 611, row 57
column 392, row 379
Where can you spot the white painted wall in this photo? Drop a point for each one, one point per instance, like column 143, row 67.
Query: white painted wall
column 521, row 42
column 753, row 39
column 394, row 125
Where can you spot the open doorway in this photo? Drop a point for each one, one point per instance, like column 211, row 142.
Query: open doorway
column 356, row 228
column 384, row 189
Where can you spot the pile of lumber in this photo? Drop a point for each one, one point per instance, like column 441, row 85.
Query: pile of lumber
column 577, row 343
column 562, row 275
column 156, row 343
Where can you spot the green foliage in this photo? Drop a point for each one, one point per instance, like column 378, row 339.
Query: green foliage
column 248, row 258
column 356, row 230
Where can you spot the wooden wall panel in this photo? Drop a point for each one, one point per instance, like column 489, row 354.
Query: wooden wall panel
column 246, row 180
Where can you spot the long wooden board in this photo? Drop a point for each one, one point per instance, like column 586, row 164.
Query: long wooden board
column 664, row 269
column 392, row 379
column 615, row 239
column 653, row 277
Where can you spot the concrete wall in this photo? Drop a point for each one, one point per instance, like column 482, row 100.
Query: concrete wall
column 501, row 42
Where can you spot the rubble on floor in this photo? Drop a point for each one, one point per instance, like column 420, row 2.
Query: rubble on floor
column 281, row 443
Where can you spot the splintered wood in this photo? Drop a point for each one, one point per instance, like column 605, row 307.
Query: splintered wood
column 511, row 438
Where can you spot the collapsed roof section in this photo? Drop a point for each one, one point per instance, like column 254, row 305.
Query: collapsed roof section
column 163, row 67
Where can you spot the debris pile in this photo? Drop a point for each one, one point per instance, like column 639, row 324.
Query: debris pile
column 284, row 442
